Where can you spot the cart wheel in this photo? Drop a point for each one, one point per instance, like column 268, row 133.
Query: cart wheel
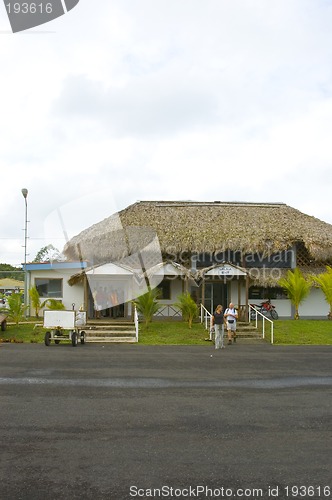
column 3, row 325
column 74, row 339
column 57, row 341
column 47, row 338
column 82, row 338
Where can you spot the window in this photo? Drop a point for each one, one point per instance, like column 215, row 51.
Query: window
column 49, row 288
column 261, row 293
column 164, row 290
column 278, row 260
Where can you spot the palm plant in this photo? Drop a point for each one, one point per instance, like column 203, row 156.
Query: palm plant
column 16, row 308
column 188, row 307
column 35, row 300
column 324, row 281
column 55, row 305
column 147, row 304
column 296, row 287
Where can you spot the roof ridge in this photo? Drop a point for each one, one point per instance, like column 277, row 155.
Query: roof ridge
column 210, row 203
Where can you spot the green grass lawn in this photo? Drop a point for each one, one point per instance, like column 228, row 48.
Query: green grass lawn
column 24, row 332
column 172, row 332
column 301, row 332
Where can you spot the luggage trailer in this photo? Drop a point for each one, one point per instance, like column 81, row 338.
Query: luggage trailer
column 64, row 326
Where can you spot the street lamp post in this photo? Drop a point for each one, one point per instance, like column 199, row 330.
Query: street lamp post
column 25, row 195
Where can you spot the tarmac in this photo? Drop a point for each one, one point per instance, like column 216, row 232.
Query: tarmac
column 131, row 421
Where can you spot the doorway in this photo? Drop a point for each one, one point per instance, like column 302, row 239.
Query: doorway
column 215, row 293
column 106, row 300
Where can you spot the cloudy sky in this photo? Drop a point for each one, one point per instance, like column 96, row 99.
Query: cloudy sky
column 126, row 100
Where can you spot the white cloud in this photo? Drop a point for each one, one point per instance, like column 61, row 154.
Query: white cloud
column 166, row 100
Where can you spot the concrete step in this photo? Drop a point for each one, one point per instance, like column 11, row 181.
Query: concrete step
column 246, row 334
column 246, row 341
column 111, row 339
column 249, row 336
column 110, row 331
column 245, row 330
column 110, row 325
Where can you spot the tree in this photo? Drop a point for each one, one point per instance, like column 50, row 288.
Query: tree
column 324, row 281
column 148, row 304
column 296, row 287
column 8, row 271
column 188, row 307
column 35, row 300
column 47, row 254
column 16, row 308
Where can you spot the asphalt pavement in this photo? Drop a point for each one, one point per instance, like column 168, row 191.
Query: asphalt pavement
column 129, row 421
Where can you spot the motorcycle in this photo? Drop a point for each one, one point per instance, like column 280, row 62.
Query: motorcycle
column 265, row 308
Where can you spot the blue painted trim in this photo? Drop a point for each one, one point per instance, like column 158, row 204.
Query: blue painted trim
column 46, row 266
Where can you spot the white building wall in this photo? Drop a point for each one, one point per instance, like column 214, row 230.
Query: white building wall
column 176, row 290
column 283, row 307
column 71, row 294
column 233, row 294
column 315, row 305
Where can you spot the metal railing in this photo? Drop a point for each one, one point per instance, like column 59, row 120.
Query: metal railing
column 206, row 316
column 136, row 323
column 253, row 309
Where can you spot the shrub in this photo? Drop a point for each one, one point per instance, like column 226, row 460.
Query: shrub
column 188, row 307
column 296, row 287
column 55, row 305
column 16, row 308
column 35, row 300
column 147, row 305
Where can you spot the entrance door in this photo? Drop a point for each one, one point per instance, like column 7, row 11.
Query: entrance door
column 215, row 293
column 106, row 301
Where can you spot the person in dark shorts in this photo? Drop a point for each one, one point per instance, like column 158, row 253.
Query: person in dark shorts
column 231, row 317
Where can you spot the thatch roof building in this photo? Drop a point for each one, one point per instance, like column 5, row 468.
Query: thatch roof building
column 200, row 227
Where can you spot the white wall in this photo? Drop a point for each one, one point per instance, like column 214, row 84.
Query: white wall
column 176, row 290
column 314, row 305
column 283, row 307
column 71, row 294
column 233, row 292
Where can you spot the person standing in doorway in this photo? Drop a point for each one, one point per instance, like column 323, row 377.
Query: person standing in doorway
column 218, row 323
column 231, row 317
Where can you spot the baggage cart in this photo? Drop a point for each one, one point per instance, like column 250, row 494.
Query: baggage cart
column 64, row 326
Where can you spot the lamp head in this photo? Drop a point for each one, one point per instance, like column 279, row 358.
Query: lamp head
column 25, row 192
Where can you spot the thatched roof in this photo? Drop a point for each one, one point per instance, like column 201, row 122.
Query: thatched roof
column 202, row 227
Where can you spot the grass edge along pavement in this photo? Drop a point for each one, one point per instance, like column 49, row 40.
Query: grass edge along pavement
column 301, row 332
column 286, row 332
